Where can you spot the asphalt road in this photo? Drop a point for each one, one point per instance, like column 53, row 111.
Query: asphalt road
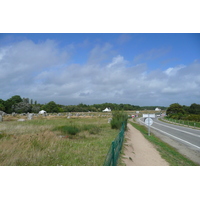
column 186, row 136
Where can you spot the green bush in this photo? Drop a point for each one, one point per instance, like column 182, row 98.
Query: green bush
column 95, row 130
column 91, row 128
column 71, row 130
column 118, row 117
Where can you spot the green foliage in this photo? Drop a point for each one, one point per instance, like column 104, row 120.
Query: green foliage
column 10, row 102
column 178, row 112
column 16, row 99
column 118, row 117
column 194, row 108
column 51, row 107
column 71, row 130
column 175, row 108
column 35, row 108
column 21, row 107
column 2, row 107
column 91, row 128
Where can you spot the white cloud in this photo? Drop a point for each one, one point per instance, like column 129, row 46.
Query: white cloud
column 100, row 53
column 40, row 71
column 173, row 70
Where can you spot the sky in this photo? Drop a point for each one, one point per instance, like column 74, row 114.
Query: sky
column 142, row 69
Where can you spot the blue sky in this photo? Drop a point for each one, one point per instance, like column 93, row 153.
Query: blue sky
column 72, row 68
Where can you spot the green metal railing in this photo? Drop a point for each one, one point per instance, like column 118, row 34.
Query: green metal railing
column 184, row 122
column 115, row 148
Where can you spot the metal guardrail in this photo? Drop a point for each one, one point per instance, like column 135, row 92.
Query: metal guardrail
column 115, row 148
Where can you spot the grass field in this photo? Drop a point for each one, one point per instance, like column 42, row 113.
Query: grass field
column 55, row 141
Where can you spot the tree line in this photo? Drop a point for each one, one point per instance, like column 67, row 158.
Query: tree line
column 24, row 105
column 177, row 111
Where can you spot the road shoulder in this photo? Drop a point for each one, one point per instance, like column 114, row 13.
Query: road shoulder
column 139, row 151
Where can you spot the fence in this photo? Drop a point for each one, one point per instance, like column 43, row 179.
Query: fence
column 115, row 148
column 184, row 123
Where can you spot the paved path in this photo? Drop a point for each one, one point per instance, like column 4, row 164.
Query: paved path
column 139, row 151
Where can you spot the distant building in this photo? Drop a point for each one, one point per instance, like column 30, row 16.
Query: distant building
column 107, row 110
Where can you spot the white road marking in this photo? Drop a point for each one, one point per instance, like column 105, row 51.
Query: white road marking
column 178, row 129
column 174, row 136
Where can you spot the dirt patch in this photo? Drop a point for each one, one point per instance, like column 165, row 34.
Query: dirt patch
column 139, row 151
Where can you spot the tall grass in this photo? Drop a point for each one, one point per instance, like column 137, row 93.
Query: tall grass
column 42, row 142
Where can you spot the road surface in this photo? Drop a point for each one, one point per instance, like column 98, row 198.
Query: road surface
column 185, row 140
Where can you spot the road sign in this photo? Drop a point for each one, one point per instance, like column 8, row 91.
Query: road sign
column 148, row 121
column 149, row 115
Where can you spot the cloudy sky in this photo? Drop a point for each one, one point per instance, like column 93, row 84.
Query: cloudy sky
column 72, row 68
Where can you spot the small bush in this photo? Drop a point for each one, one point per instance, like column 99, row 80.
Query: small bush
column 91, row 128
column 71, row 130
column 95, row 130
column 118, row 118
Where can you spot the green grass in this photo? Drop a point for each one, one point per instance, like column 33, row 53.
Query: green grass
column 193, row 124
column 167, row 152
column 71, row 130
column 43, row 142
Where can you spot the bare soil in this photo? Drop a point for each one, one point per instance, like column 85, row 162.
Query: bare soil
column 139, row 151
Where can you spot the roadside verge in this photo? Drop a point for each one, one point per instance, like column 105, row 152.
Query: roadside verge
column 167, row 152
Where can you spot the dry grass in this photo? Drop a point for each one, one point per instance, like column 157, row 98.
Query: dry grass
column 38, row 143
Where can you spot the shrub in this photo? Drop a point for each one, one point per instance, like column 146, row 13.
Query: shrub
column 91, row 128
column 71, row 130
column 118, row 117
column 94, row 130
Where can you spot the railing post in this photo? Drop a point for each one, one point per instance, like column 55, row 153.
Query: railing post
column 113, row 154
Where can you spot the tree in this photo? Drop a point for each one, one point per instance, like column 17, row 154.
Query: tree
column 51, row 107
column 194, row 108
column 175, row 108
column 2, row 105
column 186, row 108
column 12, row 101
column 21, row 107
column 16, row 99
column 35, row 108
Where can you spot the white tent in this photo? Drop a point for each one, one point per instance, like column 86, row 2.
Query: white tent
column 107, row 110
column 42, row 112
column 157, row 109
